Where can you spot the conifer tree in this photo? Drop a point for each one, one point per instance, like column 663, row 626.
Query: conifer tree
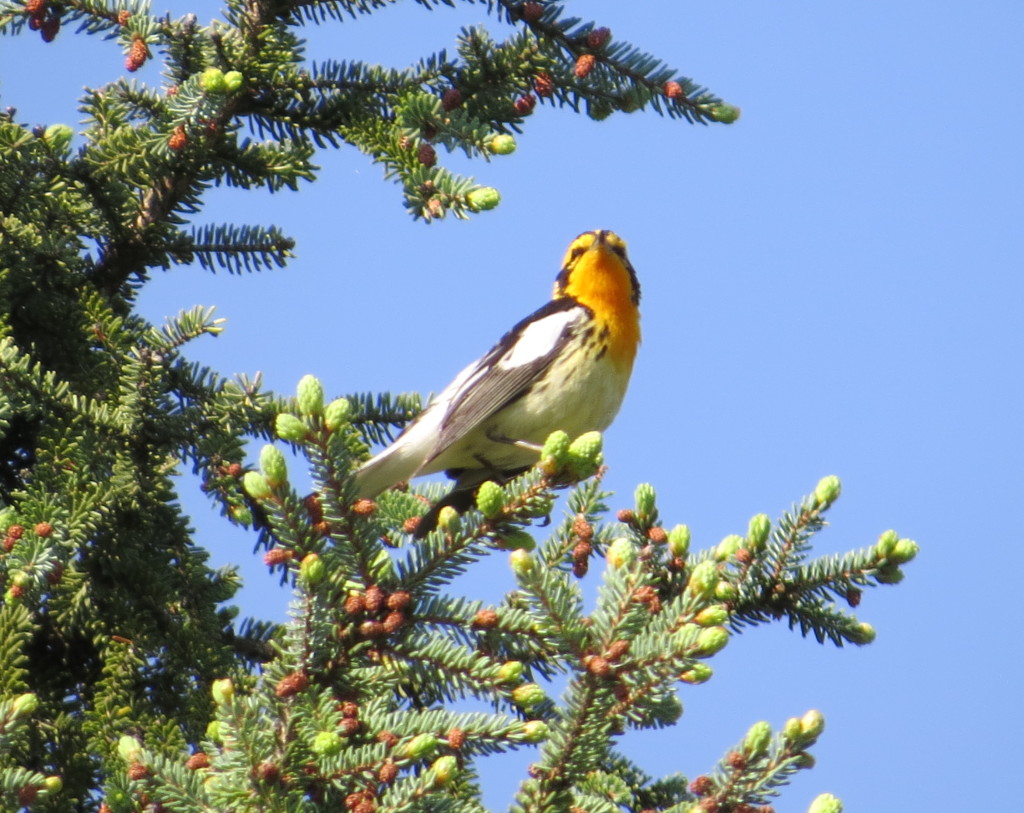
column 127, row 683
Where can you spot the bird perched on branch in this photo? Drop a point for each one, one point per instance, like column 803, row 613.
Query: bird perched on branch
column 566, row 366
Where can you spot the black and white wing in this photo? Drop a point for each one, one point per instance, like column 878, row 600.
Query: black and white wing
column 507, row 372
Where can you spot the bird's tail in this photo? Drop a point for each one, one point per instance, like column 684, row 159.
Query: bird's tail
column 395, row 464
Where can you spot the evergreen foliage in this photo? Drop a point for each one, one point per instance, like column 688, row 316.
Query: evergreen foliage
column 126, row 681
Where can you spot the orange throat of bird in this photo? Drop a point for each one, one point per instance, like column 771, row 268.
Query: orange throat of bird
column 602, row 282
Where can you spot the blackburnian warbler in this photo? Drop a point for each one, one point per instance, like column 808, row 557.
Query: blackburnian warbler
column 566, row 366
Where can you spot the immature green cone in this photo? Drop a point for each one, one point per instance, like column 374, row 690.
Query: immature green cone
column 825, row 803
column 536, row 731
column 310, row 395
column 327, row 743
column 444, row 769
column 290, row 428
column 312, row 569
column 755, row 744
column 886, row 544
column 212, row 80
column 448, row 519
column 555, row 453
column 233, row 81
column 725, row 113
column 679, row 541
column 621, row 552
column 337, row 414
column 585, row 454
column 256, row 485
column 521, row 561
column 510, row 672
column 58, row 136
column 644, row 498
column 223, row 690
column 490, row 500
column 727, row 547
column 792, row 731
column 129, row 749
column 698, row 673
column 703, row 578
column 502, row 144
column 528, row 696
column 483, row 198
column 710, row 641
column 273, row 466
column 863, row 634
column 24, row 704
column 712, row 616
column 517, row 539
column 903, row 551
column 827, row 491
column 757, row 531
column 420, row 746
column 811, row 726
column 53, row 784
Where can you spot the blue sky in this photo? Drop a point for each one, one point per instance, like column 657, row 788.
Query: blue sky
column 830, row 286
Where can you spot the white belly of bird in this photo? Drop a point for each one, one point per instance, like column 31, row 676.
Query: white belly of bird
column 574, row 397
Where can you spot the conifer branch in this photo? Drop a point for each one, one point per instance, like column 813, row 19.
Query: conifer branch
column 126, row 679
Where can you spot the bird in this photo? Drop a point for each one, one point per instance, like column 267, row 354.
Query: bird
column 564, row 367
